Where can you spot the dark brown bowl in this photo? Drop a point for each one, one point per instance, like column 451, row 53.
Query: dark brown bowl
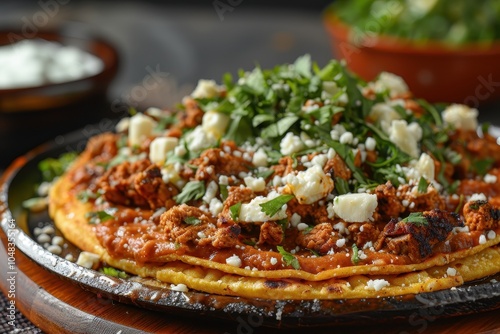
column 31, row 115
column 60, row 94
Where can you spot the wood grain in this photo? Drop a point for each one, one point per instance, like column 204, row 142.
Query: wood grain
column 59, row 306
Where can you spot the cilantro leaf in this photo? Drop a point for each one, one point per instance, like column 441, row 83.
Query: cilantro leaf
column 54, row 167
column 96, row 217
column 288, row 258
column 272, row 207
column 235, row 211
column 280, row 127
column 355, row 254
column 422, row 185
column 110, row 271
column 482, row 166
column 193, row 190
column 223, row 191
column 192, row 220
column 303, row 66
column 416, row 218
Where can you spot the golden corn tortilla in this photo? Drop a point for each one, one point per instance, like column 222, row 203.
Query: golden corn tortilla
column 366, row 281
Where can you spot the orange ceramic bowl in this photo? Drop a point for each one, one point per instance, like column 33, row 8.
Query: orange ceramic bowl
column 434, row 71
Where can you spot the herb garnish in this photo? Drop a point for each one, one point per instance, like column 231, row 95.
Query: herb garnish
column 54, row 167
column 416, row 218
column 355, row 254
column 272, row 207
column 96, row 217
column 110, row 271
column 192, row 220
column 422, row 185
column 288, row 258
column 235, row 211
column 193, row 190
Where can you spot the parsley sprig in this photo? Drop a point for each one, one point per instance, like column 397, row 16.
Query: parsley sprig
column 272, row 207
column 288, row 258
column 416, row 218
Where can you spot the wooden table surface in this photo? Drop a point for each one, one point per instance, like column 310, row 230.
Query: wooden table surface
column 59, row 306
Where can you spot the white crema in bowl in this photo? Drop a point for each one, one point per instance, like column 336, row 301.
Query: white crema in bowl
column 32, row 63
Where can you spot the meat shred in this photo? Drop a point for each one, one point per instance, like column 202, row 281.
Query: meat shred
column 416, row 240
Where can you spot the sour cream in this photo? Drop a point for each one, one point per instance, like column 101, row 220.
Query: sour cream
column 31, row 63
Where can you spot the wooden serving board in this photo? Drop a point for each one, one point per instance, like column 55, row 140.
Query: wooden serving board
column 60, row 306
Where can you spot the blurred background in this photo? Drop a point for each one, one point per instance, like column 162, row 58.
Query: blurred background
column 164, row 47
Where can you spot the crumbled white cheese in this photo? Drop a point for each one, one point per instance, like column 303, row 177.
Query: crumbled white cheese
column 355, row 208
column 491, row 235
column 451, row 271
column 370, row 144
column 215, row 206
column 482, row 239
column 383, row 114
column 257, row 184
column 319, row 160
column 302, row 226
column 346, row 138
column 252, row 212
column 205, row 89
column 490, row 178
column 392, row 83
column 179, row 287
column 122, row 125
column 295, row 219
column 141, row 126
column 170, row 175
column 341, row 227
column 461, row 117
column 424, row 166
column 87, row 259
column 478, row 197
column 291, row 144
column 273, row 261
column 310, row 185
column 159, row 148
column 215, row 123
column 198, row 139
column 406, row 136
column 210, row 192
column 340, row 243
column 234, row 261
column 259, row 158
column 376, row 284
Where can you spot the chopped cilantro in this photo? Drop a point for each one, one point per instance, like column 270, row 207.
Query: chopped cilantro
column 265, row 173
column 193, row 190
column 288, row 258
column 96, row 217
column 422, row 185
column 192, row 220
column 482, row 166
column 416, row 218
column 235, row 211
column 272, row 207
column 355, row 254
column 110, row 271
column 223, row 191
column 54, row 167
column 85, row 195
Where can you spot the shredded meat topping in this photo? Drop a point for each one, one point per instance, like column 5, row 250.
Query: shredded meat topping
column 416, row 239
column 480, row 215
